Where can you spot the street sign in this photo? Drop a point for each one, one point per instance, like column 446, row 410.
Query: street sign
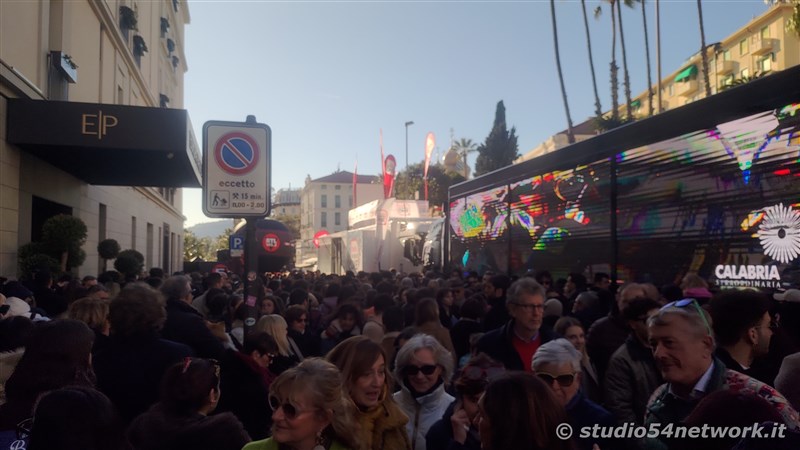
column 236, row 169
column 236, row 244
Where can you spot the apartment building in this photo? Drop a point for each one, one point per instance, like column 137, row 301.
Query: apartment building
column 324, row 204
column 91, row 125
column 286, row 202
column 760, row 47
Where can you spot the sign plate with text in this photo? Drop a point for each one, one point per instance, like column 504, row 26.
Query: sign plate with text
column 236, row 169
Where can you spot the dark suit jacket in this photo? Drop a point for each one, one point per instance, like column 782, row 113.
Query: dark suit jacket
column 187, row 326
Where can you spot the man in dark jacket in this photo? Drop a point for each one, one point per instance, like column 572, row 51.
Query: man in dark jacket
column 515, row 343
column 184, row 323
column 632, row 375
column 608, row 333
column 495, row 291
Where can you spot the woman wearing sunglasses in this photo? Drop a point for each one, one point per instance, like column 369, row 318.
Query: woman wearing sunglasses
column 309, row 410
column 423, row 366
column 457, row 429
column 189, row 393
column 367, row 379
column 558, row 364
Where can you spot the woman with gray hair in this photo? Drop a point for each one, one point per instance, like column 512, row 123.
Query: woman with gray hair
column 558, row 363
column 422, row 368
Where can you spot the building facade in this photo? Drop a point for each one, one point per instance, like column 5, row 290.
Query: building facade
column 286, row 202
column 324, row 204
column 90, row 125
column 761, row 47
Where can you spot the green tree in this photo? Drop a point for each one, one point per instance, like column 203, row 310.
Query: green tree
column 500, row 148
column 222, row 242
column 598, row 109
column 465, row 147
column 703, row 55
column 647, row 59
column 108, row 249
column 292, row 222
column 570, row 135
column 64, row 236
column 34, row 256
column 410, row 184
column 129, row 263
column 194, row 247
column 793, row 24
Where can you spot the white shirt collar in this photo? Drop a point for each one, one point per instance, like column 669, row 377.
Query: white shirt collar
column 700, row 387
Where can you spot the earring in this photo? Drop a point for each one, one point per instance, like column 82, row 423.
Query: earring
column 320, row 441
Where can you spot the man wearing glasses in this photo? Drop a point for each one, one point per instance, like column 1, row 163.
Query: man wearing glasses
column 683, row 346
column 515, row 343
column 743, row 328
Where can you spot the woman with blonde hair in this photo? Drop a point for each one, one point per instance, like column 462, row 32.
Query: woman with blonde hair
column 276, row 326
column 94, row 313
column 367, row 381
column 310, row 410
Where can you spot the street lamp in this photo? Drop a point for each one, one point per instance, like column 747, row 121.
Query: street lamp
column 410, row 122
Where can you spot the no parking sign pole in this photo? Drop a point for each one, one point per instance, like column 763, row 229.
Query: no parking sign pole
column 236, row 184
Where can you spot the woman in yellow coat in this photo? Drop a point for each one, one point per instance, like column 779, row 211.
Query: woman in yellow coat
column 366, row 378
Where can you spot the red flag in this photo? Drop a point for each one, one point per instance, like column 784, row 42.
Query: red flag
column 389, row 165
column 430, row 143
column 355, row 183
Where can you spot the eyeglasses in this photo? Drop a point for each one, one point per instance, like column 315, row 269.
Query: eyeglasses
column 529, row 306
column 289, row 410
column 412, row 370
column 565, row 380
column 24, row 429
column 686, row 302
column 477, row 373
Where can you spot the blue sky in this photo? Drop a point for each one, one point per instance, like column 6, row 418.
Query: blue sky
column 327, row 76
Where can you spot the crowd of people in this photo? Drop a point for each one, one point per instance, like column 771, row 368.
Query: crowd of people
column 391, row 361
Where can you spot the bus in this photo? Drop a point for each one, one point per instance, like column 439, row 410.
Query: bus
column 711, row 188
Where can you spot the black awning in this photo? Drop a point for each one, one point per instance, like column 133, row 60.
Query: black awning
column 110, row 145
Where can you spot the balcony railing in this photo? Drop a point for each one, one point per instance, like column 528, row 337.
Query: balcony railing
column 725, row 67
column 686, row 88
column 762, row 46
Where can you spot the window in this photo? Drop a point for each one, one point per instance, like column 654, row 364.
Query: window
column 337, row 218
column 727, row 80
column 726, row 55
column 765, row 33
column 133, row 231
column 324, row 219
column 743, row 47
column 765, row 64
column 338, row 187
column 337, row 201
column 324, row 187
column 324, row 201
column 744, row 73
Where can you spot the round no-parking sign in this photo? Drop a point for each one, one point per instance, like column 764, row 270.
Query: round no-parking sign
column 236, row 167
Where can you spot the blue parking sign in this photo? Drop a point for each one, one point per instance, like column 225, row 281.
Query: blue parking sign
column 236, row 243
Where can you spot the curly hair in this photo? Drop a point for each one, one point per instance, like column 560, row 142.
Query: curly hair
column 319, row 383
column 138, row 311
column 91, row 311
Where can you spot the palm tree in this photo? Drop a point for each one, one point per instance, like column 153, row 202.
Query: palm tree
column 703, row 55
column 465, row 147
column 627, row 80
column 570, row 136
column 613, row 65
column 647, row 56
column 598, row 109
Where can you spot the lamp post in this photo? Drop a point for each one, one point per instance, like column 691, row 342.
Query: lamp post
column 410, row 122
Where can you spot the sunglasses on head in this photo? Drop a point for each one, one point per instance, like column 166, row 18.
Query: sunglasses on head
column 413, row 370
column 289, row 410
column 693, row 303
column 563, row 380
